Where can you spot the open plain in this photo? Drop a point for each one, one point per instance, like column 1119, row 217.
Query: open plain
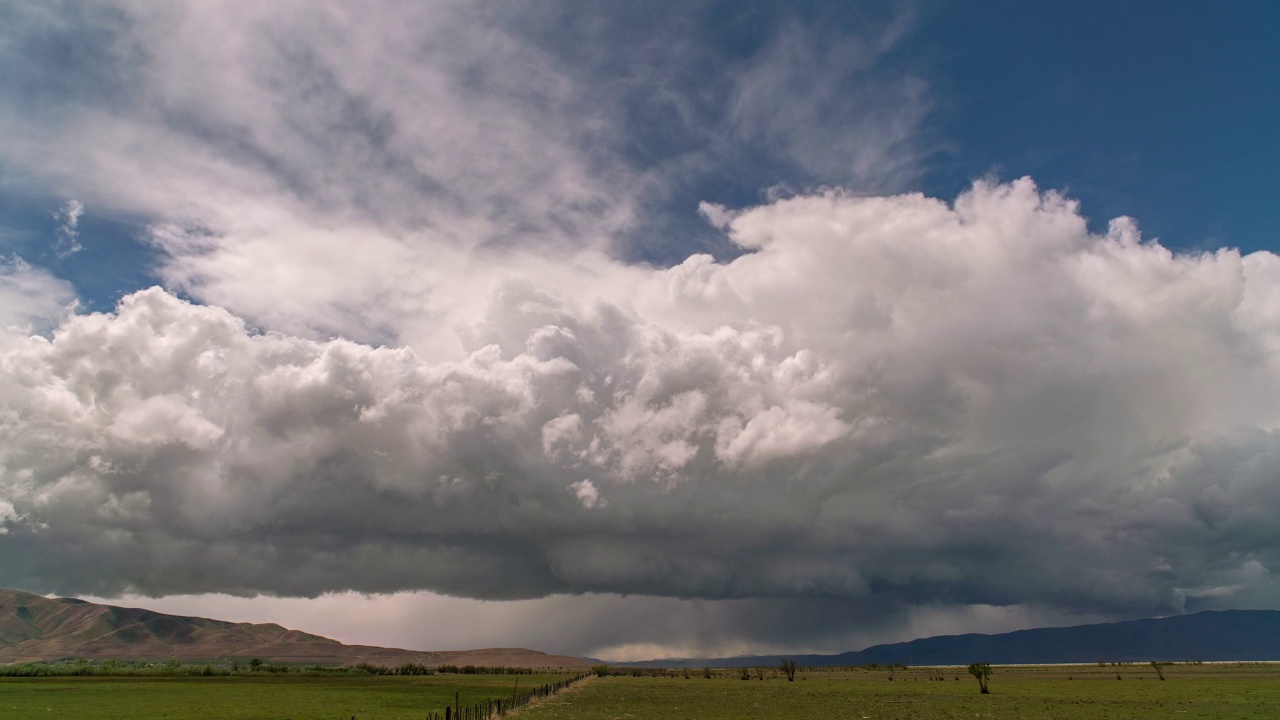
column 1062, row 692
column 279, row 697
column 1227, row 691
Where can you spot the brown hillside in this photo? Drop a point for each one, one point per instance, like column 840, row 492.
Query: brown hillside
column 33, row 627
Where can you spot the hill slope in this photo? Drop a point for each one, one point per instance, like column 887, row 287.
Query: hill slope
column 33, row 627
column 1220, row 635
column 1210, row 636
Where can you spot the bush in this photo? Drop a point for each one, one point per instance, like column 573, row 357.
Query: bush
column 982, row 671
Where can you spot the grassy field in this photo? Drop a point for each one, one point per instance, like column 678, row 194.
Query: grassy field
column 248, row 698
column 1209, row 691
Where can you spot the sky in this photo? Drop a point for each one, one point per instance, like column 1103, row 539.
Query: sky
column 641, row 330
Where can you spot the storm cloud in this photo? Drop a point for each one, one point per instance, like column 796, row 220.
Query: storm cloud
column 887, row 397
column 402, row 340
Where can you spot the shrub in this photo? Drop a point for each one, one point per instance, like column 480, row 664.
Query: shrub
column 982, row 671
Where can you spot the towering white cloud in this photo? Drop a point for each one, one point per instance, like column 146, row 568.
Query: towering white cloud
column 892, row 397
column 411, row 357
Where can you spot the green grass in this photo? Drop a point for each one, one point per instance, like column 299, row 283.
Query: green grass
column 248, row 698
column 1211, row 691
column 1025, row 693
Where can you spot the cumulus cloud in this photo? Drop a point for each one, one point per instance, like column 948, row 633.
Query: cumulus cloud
column 396, row 348
column 890, row 400
column 588, row 494
column 7, row 514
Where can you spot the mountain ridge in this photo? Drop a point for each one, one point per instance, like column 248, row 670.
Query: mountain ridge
column 1213, row 635
column 36, row 628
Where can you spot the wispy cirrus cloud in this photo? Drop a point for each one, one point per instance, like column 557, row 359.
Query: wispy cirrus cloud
column 32, row 300
column 432, row 137
column 67, row 234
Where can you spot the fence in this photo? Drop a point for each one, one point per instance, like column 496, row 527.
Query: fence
column 497, row 707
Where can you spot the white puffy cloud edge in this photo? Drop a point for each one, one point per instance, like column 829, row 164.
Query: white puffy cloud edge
column 888, row 402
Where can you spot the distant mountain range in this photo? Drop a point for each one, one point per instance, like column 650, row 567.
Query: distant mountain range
column 35, row 628
column 1208, row 636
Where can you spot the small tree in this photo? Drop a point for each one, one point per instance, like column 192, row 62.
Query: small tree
column 255, row 663
column 789, row 669
column 706, row 672
column 982, row 671
column 1159, row 668
column 746, row 673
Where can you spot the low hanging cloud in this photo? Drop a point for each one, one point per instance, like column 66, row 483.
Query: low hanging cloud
column 589, row 624
column 887, row 401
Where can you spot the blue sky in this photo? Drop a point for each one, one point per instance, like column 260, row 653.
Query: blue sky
column 1156, row 110
column 782, row 326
